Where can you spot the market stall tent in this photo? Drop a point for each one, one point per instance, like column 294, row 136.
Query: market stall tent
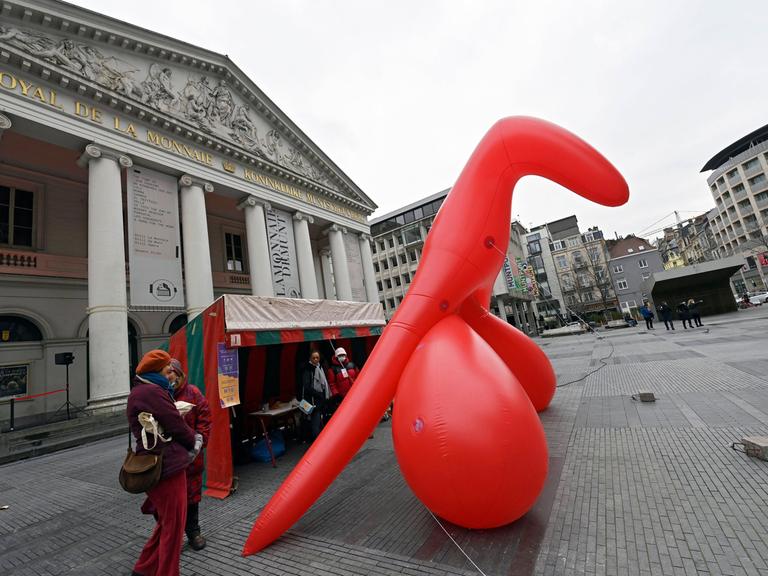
column 235, row 322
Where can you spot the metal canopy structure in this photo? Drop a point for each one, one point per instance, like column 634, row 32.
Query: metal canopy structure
column 707, row 282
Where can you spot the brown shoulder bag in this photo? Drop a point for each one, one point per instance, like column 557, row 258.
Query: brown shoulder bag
column 140, row 472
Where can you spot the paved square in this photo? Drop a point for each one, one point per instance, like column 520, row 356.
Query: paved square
column 633, row 488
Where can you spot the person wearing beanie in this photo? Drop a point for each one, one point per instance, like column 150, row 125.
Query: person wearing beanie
column 152, row 392
column 341, row 375
column 199, row 419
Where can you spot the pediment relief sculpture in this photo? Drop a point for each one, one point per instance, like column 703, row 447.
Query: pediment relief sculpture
column 206, row 102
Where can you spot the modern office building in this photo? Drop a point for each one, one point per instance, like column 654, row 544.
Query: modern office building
column 398, row 240
column 632, row 262
column 738, row 183
column 140, row 178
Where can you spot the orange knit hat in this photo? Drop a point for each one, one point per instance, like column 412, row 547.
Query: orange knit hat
column 153, row 361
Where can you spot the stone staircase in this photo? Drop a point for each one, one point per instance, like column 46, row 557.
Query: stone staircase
column 47, row 438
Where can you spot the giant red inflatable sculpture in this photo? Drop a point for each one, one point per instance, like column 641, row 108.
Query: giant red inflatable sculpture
column 466, row 385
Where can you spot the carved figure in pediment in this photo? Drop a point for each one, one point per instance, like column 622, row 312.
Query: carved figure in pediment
column 86, row 60
column 244, row 130
column 296, row 161
column 32, row 43
column 197, row 102
column 272, row 146
column 157, row 90
column 223, row 105
column 315, row 174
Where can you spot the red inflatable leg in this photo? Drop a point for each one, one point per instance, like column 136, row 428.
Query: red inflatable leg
column 524, row 358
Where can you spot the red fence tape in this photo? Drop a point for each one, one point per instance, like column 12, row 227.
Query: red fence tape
column 38, row 395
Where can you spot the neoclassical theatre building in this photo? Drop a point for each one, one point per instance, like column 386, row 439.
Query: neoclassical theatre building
column 141, row 178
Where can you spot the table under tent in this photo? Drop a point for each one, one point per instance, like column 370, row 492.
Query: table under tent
column 245, row 351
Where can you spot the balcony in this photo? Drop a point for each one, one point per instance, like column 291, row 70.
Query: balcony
column 231, row 280
column 756, row 169
column 740, row 195
column 759, row 186
column 746, row 209
column 29, row 263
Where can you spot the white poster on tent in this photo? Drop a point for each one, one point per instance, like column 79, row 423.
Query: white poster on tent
column 282, row 254
column 355, row 266
column 154, row 245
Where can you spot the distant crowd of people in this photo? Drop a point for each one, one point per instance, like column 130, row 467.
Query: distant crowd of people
column 687, row 312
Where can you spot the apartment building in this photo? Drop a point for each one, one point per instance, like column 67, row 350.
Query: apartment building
column 581, row 263
column 632, row 262
column 549, row 299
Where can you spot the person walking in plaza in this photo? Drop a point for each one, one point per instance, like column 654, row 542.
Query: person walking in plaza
column 693, row 310
column 199, row 419
column 666, row 314
column 152, row 392
column 683, row 314
column 647, row 315
column 316, row 391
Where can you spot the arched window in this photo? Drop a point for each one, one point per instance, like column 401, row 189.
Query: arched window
column 18, row 329
column 178, row 323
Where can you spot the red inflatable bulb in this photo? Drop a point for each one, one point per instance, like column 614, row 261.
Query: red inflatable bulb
column 467, row 438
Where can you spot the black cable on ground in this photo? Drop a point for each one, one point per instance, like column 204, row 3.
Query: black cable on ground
column 603, row 364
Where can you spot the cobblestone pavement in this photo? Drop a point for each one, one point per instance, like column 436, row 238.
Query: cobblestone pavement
column 633, row 488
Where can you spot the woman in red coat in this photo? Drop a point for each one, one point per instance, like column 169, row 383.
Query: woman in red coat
column 199, row 419
column 152, row 392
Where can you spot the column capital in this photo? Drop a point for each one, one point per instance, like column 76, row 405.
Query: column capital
column 5, row 124
column 334, row 228
column 302, row 216
column 325, row 252
column 250, row 201
column 187, row 180
column 365, row 237
column 95, row 151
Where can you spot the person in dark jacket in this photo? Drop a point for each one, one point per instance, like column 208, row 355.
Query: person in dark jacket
column 647, row 315
column 315, row 390
column 693, row 310
column 684, row 314
column 199, row 419
column 666, row 314
column 152, row 392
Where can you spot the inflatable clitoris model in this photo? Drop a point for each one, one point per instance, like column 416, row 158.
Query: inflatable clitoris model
column 466, row 384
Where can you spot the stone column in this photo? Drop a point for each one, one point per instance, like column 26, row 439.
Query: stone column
column 325, row 262
column 340, row 267
column 369, row 275
column 531, row 319
column 516, row 315
column 502, row 310
column 5, row 124
column 198, row 278
column 107, row 301
column 306, row 262
column 258, row 245
column 319, row 275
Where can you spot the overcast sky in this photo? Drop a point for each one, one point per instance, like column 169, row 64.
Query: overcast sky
column 399, row 93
